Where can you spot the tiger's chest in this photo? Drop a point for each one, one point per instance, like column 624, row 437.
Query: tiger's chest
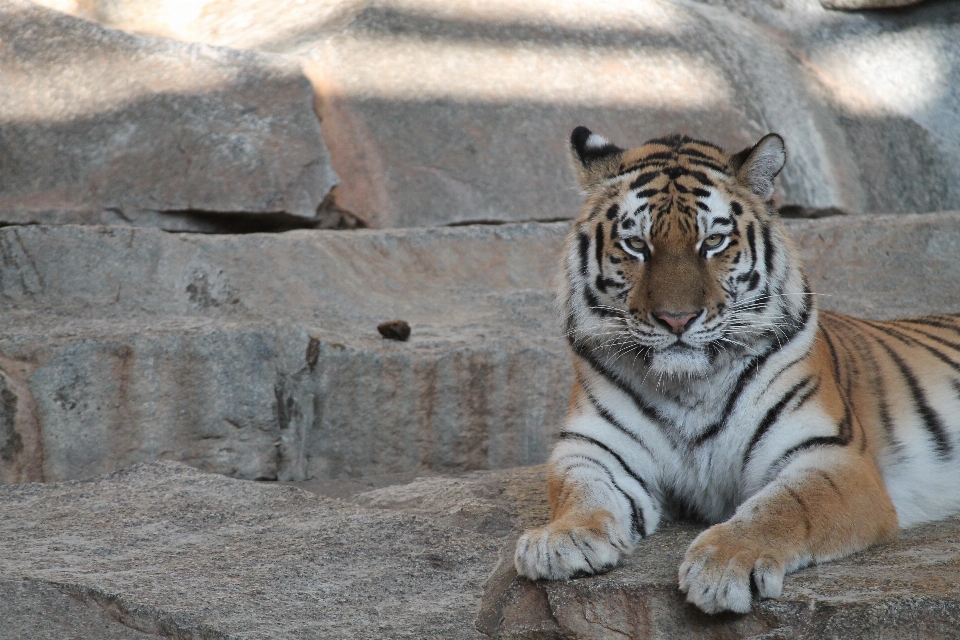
column 710, row 430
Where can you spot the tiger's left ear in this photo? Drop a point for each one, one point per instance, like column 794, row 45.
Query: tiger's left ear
column 758, row 165
column 594, row 156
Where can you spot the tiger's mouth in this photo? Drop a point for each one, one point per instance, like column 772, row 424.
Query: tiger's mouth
column 680, row 358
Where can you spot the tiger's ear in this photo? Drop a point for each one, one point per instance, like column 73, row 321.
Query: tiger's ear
column 594, row 156
column 758, row 165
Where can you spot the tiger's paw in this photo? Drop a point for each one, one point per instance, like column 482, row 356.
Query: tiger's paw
column 572, row 547
column 717, row 569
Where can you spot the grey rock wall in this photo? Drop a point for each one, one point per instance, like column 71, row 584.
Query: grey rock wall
column 258, row 356
column 445, row 111
column 99, row 126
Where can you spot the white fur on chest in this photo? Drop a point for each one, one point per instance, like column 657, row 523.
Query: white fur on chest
column 706, row 476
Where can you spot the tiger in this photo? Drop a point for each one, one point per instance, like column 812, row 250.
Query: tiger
column 708, row 385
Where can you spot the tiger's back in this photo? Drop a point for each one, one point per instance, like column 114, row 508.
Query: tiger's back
column 709, row 385
column 902, row 378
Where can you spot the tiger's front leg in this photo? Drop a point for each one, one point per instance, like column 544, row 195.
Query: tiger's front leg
column 595, row 520
column 826, row 504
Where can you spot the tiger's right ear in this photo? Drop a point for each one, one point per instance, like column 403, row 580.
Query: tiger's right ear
column 594, row 156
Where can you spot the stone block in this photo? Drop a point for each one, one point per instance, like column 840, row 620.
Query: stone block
column 258, row 355
column 165, row 550
column 440, row 111
column 99, row 126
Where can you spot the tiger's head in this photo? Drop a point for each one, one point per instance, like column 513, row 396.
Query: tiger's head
column 678, row 257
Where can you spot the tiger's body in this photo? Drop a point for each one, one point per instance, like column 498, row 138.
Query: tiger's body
column 709, row 386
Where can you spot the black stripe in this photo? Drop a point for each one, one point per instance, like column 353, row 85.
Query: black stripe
column 609, row 417
column 573, row 435
column 754, row 366
column 643, row 179
column 593, row 304
column 586, row 557
column 846, row 425
column 613, row 211
column 752, row 243
column 890, row 331
column 767, row 249
column 700, row 176
column 947, row 343
column 589, row 463
column 659, row 155
column 695, row 153
column 595, row 211
column 638, row 521
column 818, row 441
column 807, row 395
column 646, row 193
column 709, row 165
column 771, row 416
column 876, row 379
column 649, row 412
column 598, row 239
column 932, row 322
column 722, row 221
column 736, row 208
column 584, row 252
column 853, row 373
column 931, row 419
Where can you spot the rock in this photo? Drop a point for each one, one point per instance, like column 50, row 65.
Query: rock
column 165, row 550
column 907, row 589
column 37, row 610
column 860, row 5
column 98, row 126
column 394, row 330
column 255, row 355
column 438, row 112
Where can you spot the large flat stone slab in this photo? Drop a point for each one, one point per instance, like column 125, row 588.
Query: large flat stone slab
column 257, row 356
column 100, row 126
column 164, row 550
column 438, row 111
column 173, row 552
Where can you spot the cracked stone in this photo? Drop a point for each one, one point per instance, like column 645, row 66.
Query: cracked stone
column 444, row 111
column 106, row 127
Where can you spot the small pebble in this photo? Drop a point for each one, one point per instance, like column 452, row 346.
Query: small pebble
column 394, row 330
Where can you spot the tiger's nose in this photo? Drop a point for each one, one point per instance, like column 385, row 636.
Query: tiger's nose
column 676, row 322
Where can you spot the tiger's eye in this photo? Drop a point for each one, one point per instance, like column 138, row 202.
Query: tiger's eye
column 713, row 241
column 636, row 245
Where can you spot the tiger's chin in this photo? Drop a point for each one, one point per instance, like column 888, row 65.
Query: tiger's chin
column 680, row 361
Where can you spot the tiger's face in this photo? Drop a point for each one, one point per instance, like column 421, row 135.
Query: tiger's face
column 675, row 258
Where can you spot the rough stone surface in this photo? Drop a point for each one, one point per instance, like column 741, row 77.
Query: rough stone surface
column 860, row 5
column 98, row 126
column 438, row 111
column 165, row 550
column 258, row 356
column 904, row 590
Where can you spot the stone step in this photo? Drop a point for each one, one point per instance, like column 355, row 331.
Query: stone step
column 257, row 355
column 438, row 111
column 165, row 550
column 101, row 126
